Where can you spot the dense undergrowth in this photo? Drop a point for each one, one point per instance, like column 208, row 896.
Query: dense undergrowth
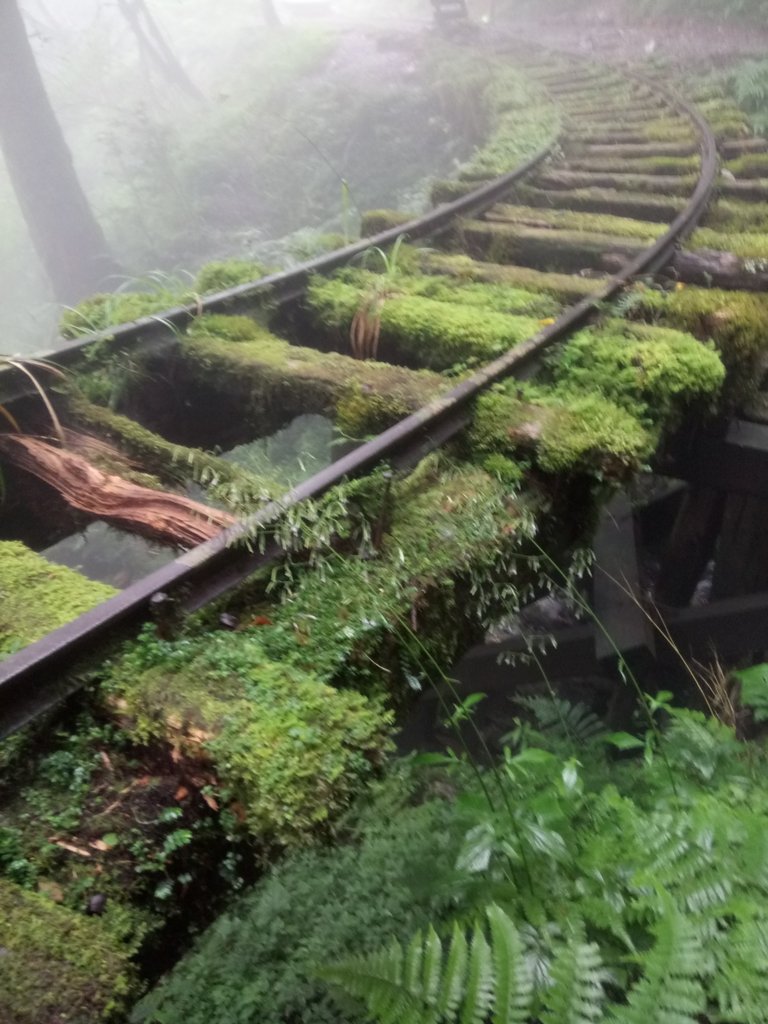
column 615, row 889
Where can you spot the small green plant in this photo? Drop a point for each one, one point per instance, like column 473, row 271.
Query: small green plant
column 365, row 329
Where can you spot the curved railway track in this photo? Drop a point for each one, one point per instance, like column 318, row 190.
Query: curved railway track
column 602, row 147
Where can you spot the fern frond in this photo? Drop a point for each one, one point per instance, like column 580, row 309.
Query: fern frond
column 562, row 720
column 577, row 995
column 671, row 990
column 423, row 983
column 740, row 984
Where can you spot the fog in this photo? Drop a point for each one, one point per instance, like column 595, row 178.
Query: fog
column 198, row 132
column 207, row 136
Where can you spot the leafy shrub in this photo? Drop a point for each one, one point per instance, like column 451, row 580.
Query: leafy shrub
column 257, row 962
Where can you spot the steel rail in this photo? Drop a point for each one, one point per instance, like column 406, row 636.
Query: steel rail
column 31, row 680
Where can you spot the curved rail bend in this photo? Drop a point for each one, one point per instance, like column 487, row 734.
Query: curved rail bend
column 31, row 680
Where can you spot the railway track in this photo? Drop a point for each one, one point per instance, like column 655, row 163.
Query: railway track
column 612, row 202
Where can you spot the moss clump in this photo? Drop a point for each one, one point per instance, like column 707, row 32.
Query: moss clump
column 747, row 245
column 653, row 372
column 99, row 312
column 751, row 165
column 426, row 331
column 373, row 222
column 57, row 966
column 390, row 621
column 616, row 201
column 564, row 433
column 564, row 287
column 732, row 215
column 450, row 191
column 290, row 750
column 569, row 220
column 497, row 298
column 639, row 165
column 560, row 250
column 270, row 380
column 737, row 322
column 221, row 275
column 36, row 596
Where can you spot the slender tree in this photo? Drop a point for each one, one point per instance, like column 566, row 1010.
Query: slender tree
column 153, row 45
column 68, row 240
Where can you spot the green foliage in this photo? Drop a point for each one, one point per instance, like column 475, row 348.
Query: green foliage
column 36, row 596
column 57, row 965
column 749, row 80
column 218, row 276
column 290, row 750
column 258, row 961
column 754, row 690
column 427, row 981
column 427, row 332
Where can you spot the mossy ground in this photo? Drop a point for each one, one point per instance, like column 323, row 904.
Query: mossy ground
column 56, row 966
column 36, row 596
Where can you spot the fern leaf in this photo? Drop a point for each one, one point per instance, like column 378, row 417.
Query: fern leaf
column 478, row 999
column 671, row 990
column 452, row 986
column 514, row 977
column 433, row 962
column 577, row 995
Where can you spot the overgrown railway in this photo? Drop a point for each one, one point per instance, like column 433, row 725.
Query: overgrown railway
column 569, row 323
column 634, row 175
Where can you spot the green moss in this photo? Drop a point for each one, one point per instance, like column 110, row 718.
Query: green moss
column 639, row 165
column 449, row 191
column 616, row 201
column 219, row 276
column 569, row 220
column 737, row 216
column 287, row 748
column 428, row 332
column 102, row 311
column 270, row 379
column 751, row 165
column 747, row 245
column 562, row 251
column 653, row 372
column 375, row 221
column 737, row 322
column 56, row 965
column 37, row 596
column 497, row 298
column 463, row 268
column 403, row 614
column 564, row 433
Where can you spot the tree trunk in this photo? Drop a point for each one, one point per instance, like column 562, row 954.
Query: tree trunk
column 271, row 17
column 69, row 242
column 153, row 45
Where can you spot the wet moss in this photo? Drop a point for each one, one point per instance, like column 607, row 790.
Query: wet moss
column 498, row 298
column 751, row 165
column 748, row 245
column 219, row 276
column 270, row 380
column 426, row 331
column 37, row 596
column 563, row 287
column 57, row 966
column 561, row 432
column 375, row 221
column 640, row 165
column 733, row 215
column 655, row 373
column 615, row 201
column 737, row 322
column 290, row 751
column 569, row 220
column 564, row 251
column 389, row 621
column 450, row 191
